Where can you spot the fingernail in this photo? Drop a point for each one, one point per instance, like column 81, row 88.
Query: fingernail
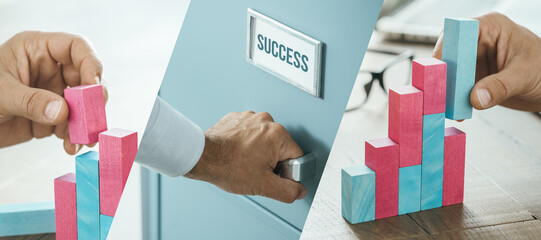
column 484, row 97
column 97, row 78
column 302, row 195
column 53, row 109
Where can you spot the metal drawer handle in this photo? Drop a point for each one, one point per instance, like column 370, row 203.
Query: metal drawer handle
column 297, row 169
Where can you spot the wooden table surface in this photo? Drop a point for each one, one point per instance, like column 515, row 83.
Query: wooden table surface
column 502, row 182
column 45, row 236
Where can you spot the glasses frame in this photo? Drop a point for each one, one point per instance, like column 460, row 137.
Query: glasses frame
column 401, row 55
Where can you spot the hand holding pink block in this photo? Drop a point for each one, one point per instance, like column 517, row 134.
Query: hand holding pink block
column 118, row 148
column 65, row 207
column 87, row 113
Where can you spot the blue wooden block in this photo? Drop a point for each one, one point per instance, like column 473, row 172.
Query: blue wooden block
column 432, row 165
column 88, row 195
column 105, row 225
column 460, row 53
column 358, row 194
column 26, row 218
column 409, row 189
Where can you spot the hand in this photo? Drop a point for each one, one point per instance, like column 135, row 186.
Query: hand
column 35, row 68
column 241, row 152
column 508, row 60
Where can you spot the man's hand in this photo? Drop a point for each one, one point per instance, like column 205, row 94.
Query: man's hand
column 241, row 152
column 35, row 68
column 508, row 65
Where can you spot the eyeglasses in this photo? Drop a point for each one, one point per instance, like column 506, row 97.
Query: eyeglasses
column 393, row 69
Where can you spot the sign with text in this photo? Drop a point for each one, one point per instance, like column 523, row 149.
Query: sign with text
column 284, row 52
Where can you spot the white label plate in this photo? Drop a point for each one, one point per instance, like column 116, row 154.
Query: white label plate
column 284, row 52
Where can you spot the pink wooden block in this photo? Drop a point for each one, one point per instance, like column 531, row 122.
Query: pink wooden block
column 453, row 166
column 429, row 75
column 87, row 113
column 382, row 156
column 118, row 148
column 406, row 123
column 65, row 203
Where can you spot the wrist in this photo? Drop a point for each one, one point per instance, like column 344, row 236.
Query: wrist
column 204, row 167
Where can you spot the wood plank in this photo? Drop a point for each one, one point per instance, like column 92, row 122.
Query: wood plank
column 518, row 230
column 485, row 204
column 510, row 139
column 48, row 236
column 521, row 230
column 489, row 232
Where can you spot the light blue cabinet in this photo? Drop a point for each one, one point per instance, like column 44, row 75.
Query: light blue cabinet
column 208, row 76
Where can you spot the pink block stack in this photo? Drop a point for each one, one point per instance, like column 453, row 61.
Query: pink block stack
column 105, row 180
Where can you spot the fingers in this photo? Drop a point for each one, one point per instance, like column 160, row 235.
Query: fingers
column 438, row 48
column 495, row 89
column 38, row 105
column 71, row 148
column 70, row 49
column 282, row 189
column 41, row 130
column 289, row 149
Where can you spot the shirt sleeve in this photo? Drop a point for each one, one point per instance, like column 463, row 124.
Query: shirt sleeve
column 171, row 144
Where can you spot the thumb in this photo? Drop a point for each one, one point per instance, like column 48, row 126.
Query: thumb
column 282, row 189
column 495, row 89
column 36, row 104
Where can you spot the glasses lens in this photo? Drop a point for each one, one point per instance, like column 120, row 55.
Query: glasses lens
column 397, row 75
column 358, row 94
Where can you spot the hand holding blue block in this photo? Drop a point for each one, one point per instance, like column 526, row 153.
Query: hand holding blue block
column 460, row 53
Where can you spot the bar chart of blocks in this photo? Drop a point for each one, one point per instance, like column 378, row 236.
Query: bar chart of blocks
column 420, row 165
column 86, row 202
